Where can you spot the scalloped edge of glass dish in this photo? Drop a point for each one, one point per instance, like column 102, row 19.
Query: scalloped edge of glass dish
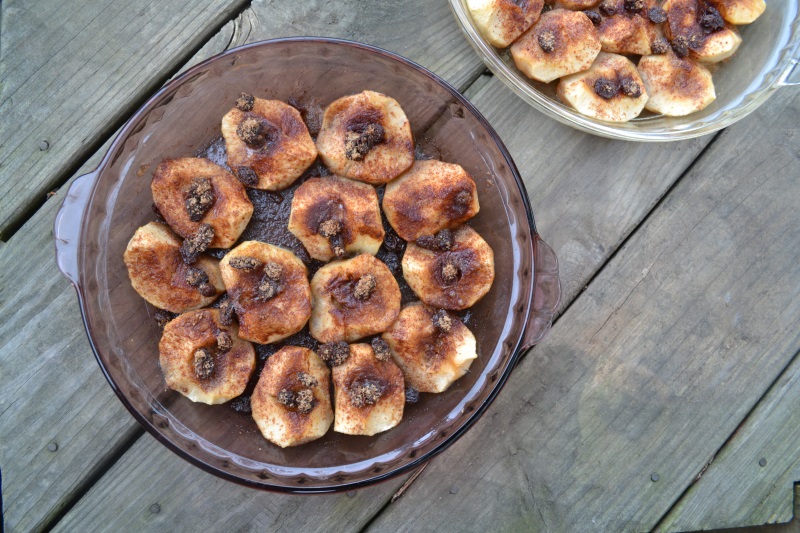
column 687, row 128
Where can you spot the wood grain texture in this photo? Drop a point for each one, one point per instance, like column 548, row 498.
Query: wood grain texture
column 653, row 366
column 191, row 500
column 50, row 387
column 85, row 419
column 72, row 70
column 736, row 490
column 646, row 175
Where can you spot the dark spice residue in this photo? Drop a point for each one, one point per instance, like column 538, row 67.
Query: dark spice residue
column 412, row 395
column 242, row 405
column 365, row 392
column 163, row 317
column 381, row 349
column 196, row 243
column 334, row 353
column 203, row 364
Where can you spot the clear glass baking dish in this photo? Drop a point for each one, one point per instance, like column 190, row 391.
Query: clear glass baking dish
column 766, row 60
column 103, row 209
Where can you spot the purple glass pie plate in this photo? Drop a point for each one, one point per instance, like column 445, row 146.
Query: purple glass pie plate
column 103, row 209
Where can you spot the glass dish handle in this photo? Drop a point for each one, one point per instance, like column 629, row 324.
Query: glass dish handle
column 546, row 293
column 791, row 76
column 68, row 225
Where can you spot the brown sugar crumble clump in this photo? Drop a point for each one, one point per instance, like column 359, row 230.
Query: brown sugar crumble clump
column 660, row 45
column 224, row 341
column 360, row 141
column 267, row 289
column 196, row 243
column 199, row 198
column 247, row 176
column 606, row 88
column 631, row 88
column 273, row 271
column 203, row 364
column 364, row 287
column 381, row 349
column 331, row 229
column 302, row 400
column 307, row 379
column 449, row 271
column 226, row 312
column 680, row 45
column 245, row 102
column 251, row 131
column 365, row 392
column 196, row 276
column 244, row 263
column 442, row 241
column 547, row 41
column 442, row 321
column 334, row 353
column 633, row 6
column 608, row 8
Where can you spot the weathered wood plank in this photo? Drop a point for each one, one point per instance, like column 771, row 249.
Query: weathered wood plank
column 91, row 425
column 652, row 367
column 189, row 499
column 642, row 175
column 73, row 70
column 736, row 490
column 110, row 55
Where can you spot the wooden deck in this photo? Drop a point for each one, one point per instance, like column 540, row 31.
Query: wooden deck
column 665, row 398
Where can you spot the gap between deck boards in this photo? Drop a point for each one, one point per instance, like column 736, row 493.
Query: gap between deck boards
column 730, row 437
column 478, row 80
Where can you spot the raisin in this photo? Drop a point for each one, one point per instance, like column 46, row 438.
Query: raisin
column 307, row 379
column 365, row 392
column 224, row 341
column 247, row 176
column 633, row 6
column 660, row 45
column 199, row 198
column 606, row 88
column 547, row 41
column 680, row 46
column 196, row 243
column 594, row 16
column 163, row 317
column 631, row 88
column 657, row 15
column 711, row 20
column 608, row 9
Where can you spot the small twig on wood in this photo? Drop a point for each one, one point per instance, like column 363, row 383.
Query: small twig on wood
column 408, row 483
